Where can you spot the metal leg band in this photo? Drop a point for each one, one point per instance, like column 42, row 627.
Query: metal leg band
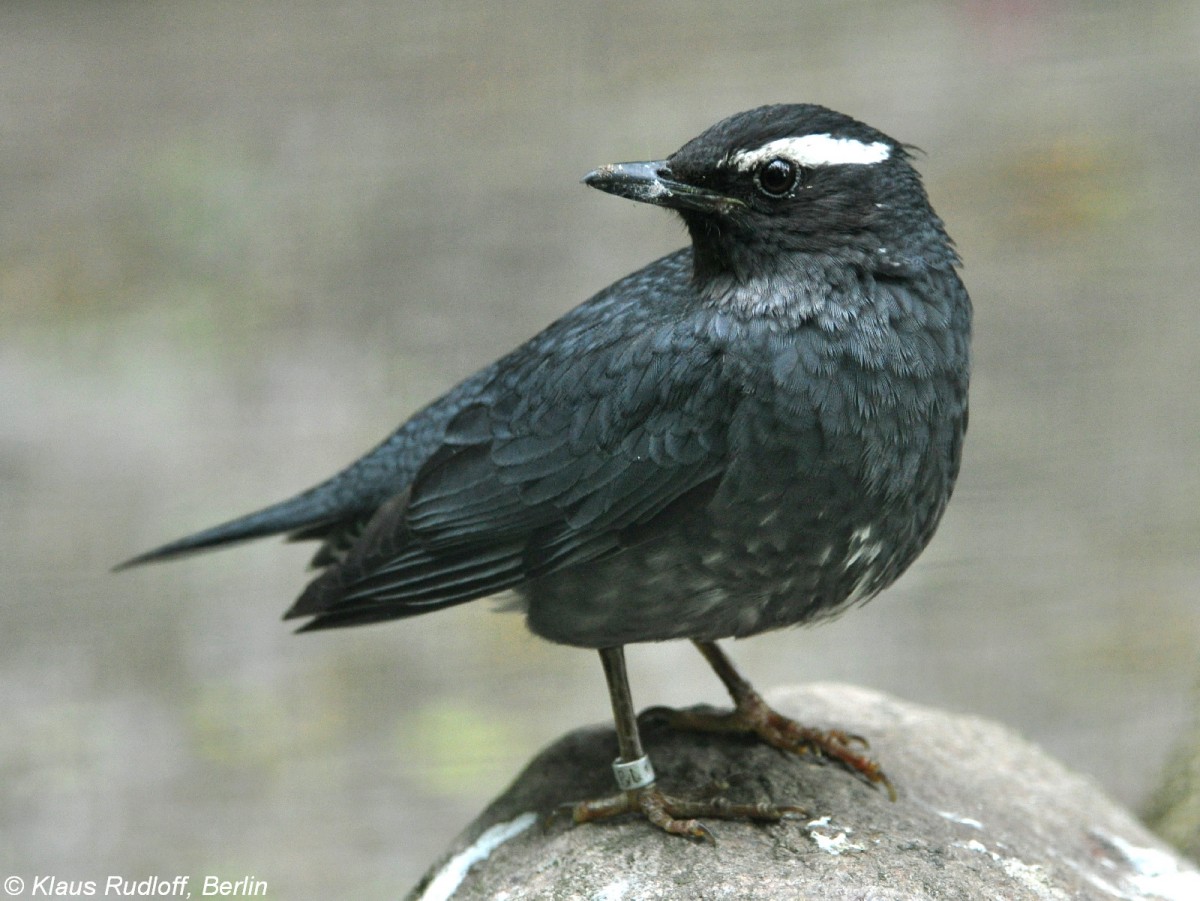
column 631, row 774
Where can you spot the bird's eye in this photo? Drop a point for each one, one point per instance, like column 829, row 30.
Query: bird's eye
column 777, row 177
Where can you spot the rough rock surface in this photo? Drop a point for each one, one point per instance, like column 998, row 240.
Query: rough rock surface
column 982, row 814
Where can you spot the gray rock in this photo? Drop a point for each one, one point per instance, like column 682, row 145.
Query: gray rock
column 982, row 814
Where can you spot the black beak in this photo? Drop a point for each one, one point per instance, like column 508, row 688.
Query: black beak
column 652, row 183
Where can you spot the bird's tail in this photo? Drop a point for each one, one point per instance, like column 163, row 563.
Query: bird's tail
column 309, row 511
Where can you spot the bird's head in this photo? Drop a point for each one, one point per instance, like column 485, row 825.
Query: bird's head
column 794, row 179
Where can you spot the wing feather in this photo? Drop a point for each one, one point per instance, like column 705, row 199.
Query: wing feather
column 568, row 455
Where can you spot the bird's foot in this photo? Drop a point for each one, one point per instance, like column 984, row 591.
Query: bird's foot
column 754, row 716
column 677, row 816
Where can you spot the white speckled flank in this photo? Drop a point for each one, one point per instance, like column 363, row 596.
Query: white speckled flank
column 815, row 150
column 862, row 548
column 864, row 587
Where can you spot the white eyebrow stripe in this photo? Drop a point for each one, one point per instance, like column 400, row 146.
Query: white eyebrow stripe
column 815, row 150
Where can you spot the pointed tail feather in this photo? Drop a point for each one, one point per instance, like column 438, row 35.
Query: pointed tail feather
column 302, row 512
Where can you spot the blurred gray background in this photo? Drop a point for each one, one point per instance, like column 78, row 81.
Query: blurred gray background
column 240, row 242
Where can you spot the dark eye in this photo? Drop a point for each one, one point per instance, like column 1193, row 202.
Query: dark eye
column 778, row 177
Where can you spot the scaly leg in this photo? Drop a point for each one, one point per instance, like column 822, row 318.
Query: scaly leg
column 751, row 714
column 635, row 775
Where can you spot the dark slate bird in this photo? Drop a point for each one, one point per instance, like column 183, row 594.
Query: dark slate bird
column 755, row 431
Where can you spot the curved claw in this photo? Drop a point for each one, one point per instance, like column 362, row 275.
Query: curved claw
column 852, row 738
column 753, row 716
column 661, row 811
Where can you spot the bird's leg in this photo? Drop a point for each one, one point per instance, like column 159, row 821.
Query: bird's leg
column 751, row 714
column 635, row 775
